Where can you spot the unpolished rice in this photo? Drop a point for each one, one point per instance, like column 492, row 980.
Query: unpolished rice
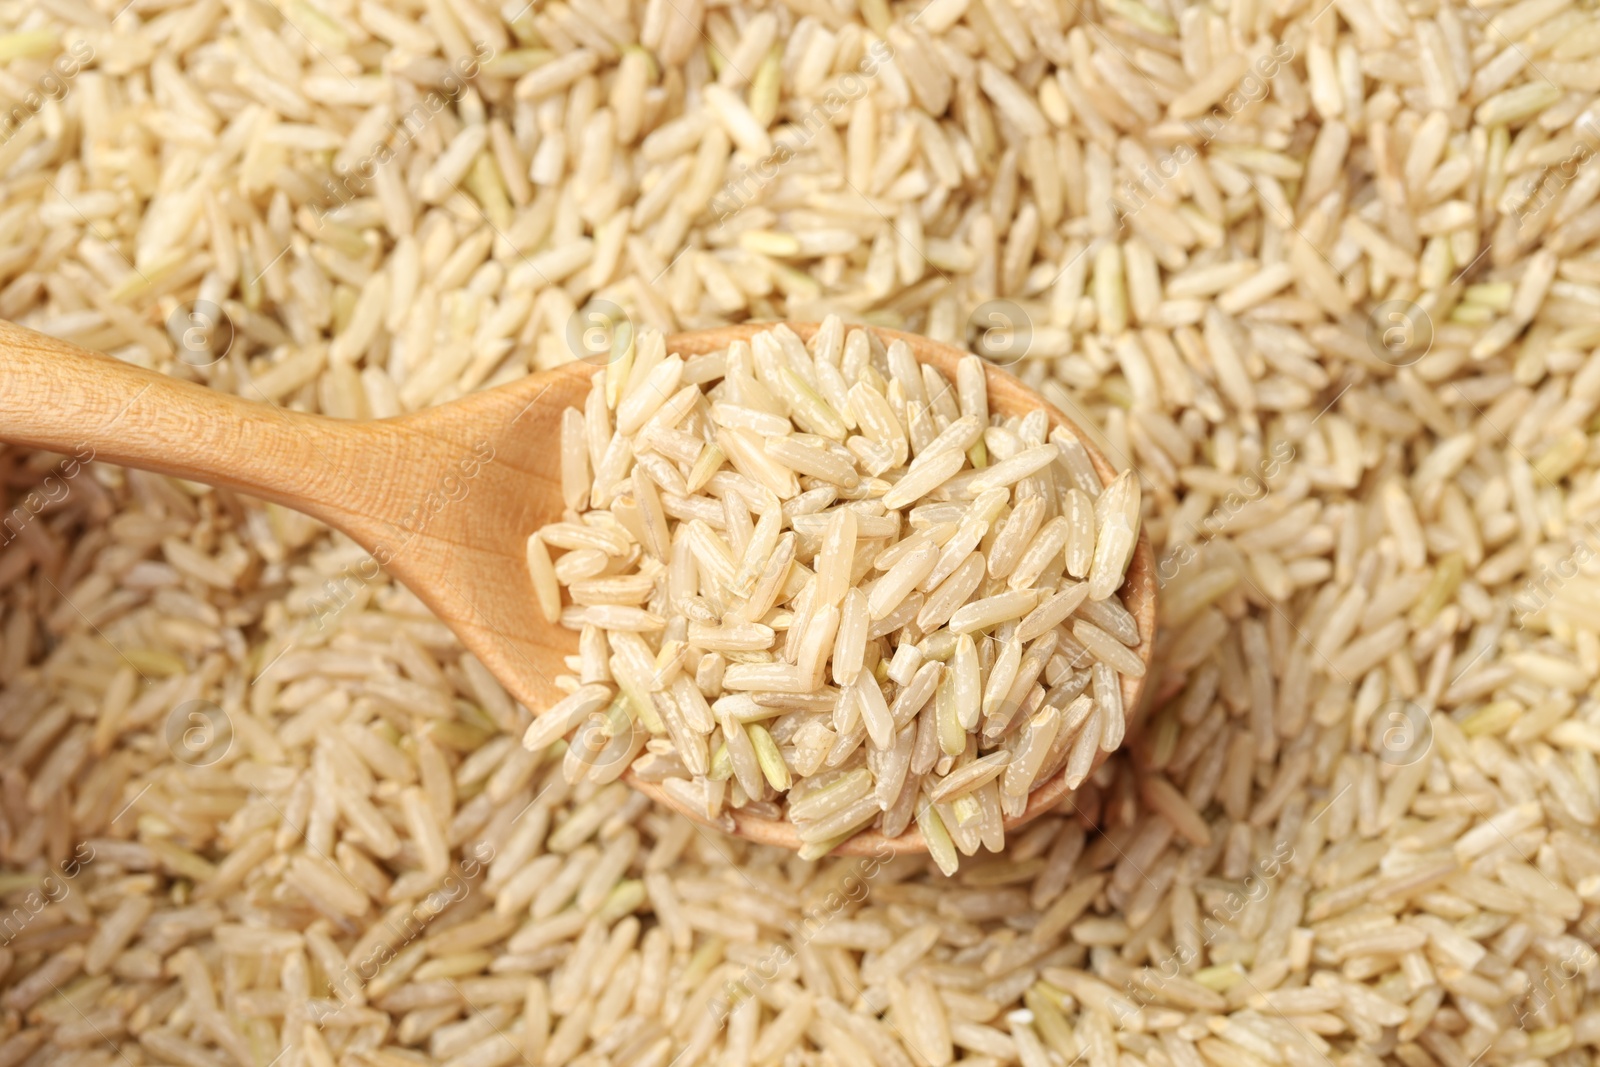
column 1376, row 151
column 932, row 576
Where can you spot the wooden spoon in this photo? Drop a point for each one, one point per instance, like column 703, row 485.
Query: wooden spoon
column 444, row 499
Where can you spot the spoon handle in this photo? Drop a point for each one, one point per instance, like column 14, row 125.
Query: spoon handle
column 59, row 397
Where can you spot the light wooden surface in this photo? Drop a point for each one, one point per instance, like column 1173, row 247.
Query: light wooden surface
column 444, row 498
column 464, row 558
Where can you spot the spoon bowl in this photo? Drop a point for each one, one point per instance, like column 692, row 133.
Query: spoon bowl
column 444, row 498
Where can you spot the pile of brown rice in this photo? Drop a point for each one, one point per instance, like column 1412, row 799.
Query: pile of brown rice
column 957, row 640
column 1324, row 273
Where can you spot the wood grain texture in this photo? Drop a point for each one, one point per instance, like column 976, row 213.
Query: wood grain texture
column 399, row 487
column 444, row 498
